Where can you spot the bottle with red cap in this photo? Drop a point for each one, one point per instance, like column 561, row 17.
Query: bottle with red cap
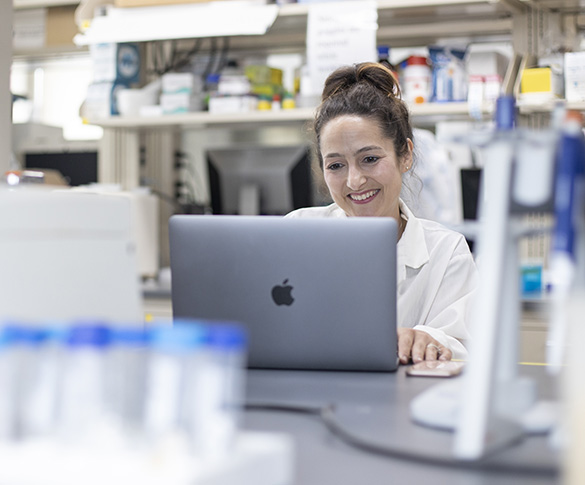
column 417, row 80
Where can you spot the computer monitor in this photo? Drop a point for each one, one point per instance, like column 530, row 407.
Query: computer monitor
column 77, row 167
column 259, row 180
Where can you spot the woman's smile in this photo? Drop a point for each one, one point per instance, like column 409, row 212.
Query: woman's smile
column 364, row 197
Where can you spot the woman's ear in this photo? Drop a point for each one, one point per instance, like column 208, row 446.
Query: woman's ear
column 406, row 162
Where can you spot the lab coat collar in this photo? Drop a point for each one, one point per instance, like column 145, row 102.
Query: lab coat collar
column 412, row 248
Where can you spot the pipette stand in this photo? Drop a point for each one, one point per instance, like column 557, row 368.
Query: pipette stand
column 488, row 406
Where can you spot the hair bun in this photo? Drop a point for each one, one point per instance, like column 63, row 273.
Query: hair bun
column 374, row 74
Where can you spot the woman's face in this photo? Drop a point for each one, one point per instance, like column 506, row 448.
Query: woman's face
column 360, row 167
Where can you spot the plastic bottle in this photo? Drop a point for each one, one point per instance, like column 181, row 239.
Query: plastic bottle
column 39, row 374
column 288, row 101
column 417, row 80
column 171, row 394
column 127, row 363
column 219, row 390
column 84, row 411
column 264, row 103
column 567, row 258
column 8, row 380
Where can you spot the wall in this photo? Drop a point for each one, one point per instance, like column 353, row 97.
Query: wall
column 5, row 96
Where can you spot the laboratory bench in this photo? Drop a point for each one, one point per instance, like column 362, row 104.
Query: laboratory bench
column 375, row 408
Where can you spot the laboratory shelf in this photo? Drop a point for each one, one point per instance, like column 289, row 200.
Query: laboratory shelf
column 272, row 25
column 548, row 106
column 206, row 120
column 22, row 4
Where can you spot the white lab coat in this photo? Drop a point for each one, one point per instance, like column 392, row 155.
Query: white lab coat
column 436, row 277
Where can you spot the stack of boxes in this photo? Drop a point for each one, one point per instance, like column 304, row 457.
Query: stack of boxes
column 182, row 92
column 257, row 87
column 266, row 84
column 115, row 67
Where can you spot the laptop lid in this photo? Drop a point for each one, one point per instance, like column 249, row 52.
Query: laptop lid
column 313, row 293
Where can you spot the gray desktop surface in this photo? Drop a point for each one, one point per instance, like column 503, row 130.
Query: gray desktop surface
column 375, row 406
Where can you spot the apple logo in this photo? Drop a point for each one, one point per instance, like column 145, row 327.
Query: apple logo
column 281, row 294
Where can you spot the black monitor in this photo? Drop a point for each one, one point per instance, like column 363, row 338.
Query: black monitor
column 274, row 180
column 470, row 183
column 78, row 168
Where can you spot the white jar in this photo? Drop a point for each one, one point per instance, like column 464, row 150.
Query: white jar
column 417, row 80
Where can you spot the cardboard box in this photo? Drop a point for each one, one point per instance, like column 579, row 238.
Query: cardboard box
column 181, row 82
column 180, row 103
column 116, row 62
column 61, row 26
column 101, row 101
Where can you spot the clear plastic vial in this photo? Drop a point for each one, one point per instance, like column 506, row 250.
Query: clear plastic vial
column 8, row 380
column 39, row 375
column 125, row 387
column 84, row 414
column 220, row 389
column 173, row 360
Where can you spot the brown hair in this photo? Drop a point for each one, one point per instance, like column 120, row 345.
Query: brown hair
column 368, row 90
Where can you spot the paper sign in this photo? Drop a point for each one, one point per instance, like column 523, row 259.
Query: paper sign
column 338, row 34
column 30, row 27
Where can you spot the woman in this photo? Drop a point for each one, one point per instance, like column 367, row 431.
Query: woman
column 364, row 145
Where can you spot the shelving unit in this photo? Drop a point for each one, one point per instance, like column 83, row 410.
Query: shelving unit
column 205, row 120
column 402, row 23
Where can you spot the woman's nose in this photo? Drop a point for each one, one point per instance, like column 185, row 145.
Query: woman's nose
column 355, row 178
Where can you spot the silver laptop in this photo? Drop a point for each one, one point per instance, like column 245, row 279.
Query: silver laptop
column 314, row 294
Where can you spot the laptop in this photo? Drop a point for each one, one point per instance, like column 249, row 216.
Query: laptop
column 314, row 293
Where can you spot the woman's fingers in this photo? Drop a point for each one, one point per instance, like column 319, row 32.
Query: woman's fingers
column 418, row 346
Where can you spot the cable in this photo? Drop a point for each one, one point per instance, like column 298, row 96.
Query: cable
column 211, row 60
column 327, row 416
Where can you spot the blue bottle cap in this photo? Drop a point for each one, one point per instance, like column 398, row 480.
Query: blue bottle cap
column 213, row 78
column 383, row 51
column 178, row 338
column 228, row 336
column 505, row 113
column 129, row 336
column 23, row 334
column 88, row 334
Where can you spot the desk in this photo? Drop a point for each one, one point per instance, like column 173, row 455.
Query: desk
column 375, row 407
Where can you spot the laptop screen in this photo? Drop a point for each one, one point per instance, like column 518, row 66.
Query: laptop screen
column 313, row 293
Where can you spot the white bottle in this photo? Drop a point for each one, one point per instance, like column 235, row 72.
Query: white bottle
column 417, row 80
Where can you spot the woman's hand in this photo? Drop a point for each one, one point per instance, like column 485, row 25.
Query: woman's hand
column 418, row 345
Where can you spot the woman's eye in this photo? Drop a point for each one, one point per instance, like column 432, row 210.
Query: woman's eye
column 334, row 166
column 371, row 159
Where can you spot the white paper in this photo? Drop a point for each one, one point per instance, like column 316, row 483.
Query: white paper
column 30, row 29
column 338, row 34
column 188, row 21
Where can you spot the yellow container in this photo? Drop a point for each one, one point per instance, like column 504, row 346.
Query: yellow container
column 537, row 80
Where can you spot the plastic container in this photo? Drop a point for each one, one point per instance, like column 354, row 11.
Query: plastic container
column 171, row 392
column 8, row 380
column 84, row 412
column 417, row 80
column 39, row 374
column 127, row 364
column 219, row 390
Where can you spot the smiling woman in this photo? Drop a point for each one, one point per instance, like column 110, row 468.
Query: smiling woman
column 364, row 144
